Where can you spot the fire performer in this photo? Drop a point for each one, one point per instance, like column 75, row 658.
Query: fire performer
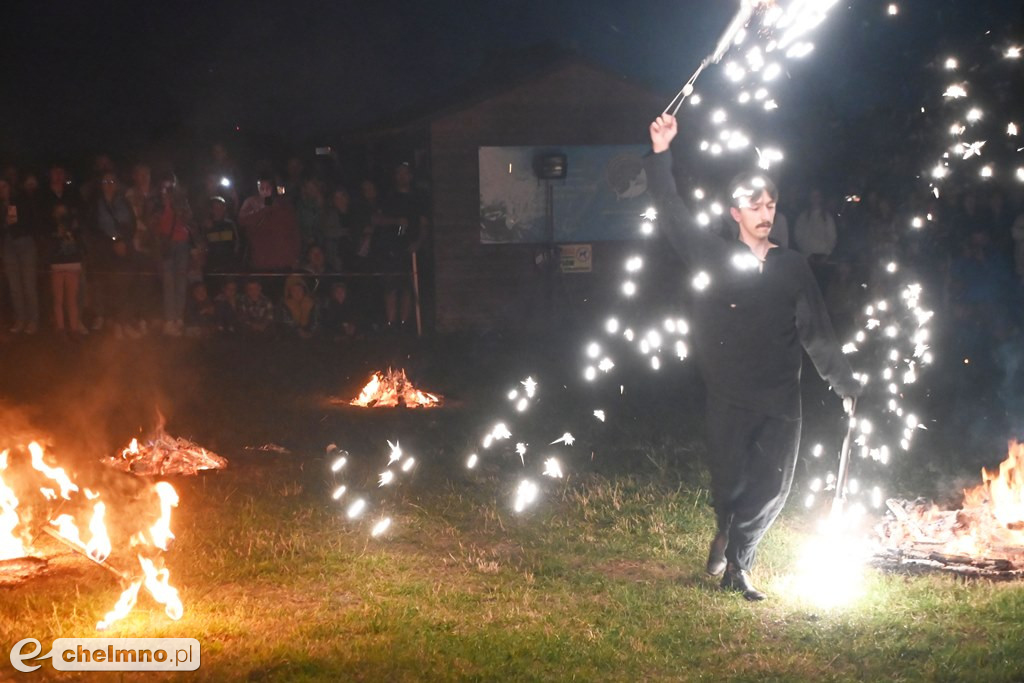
column 760, row 305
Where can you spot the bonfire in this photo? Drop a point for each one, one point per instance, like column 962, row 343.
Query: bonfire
column 984, row 537
column 393, row 389
column 164, row 455
column 40, row 499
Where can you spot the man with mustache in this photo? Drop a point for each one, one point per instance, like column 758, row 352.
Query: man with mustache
column 758, row 307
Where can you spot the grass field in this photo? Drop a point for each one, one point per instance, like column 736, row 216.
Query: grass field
column 601, row 580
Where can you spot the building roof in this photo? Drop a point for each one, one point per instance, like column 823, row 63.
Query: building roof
column 492, row 81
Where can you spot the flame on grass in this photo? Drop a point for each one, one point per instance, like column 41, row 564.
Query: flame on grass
column 11, row 546
column 56, row 485
column 392, row 389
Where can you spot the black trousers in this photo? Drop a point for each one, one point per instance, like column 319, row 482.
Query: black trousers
column 752, row 458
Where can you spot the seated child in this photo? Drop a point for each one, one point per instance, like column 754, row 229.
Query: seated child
column 226, row 305
column 255, row 311
column 338, row 314
column 200, row 311
column 298, row 309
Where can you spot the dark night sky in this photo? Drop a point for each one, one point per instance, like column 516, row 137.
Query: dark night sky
column 84, row 76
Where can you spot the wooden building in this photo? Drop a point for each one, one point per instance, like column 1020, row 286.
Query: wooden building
column 475, row 286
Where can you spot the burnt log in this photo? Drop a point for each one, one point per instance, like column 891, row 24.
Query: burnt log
column 21, row 569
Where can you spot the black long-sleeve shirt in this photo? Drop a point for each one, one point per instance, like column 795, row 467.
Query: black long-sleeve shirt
column 750, row 322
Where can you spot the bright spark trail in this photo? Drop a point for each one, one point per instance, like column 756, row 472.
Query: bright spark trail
column 890, row 349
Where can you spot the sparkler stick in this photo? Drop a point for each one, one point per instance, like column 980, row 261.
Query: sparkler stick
column 81, row 551
column 844, row 465
column 746, row 11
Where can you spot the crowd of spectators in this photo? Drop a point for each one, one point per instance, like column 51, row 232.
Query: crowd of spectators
column 132, row 251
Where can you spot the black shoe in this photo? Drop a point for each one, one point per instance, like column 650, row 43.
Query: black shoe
column 736, row 579
column 716, row 554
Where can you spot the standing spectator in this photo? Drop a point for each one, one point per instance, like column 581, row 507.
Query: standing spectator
column 66, row 254
column 90, row 189
column 215, row 185
column 399, row 231
column 174, row 230
column 223, row 245
column 58, row 193
column 58, row 199
column 311, row 211
column 20, row 257
column 221, row 165
column 270, row 228
column 815, row 236
column 141, row 199
column 110, row 248
column 339, row 232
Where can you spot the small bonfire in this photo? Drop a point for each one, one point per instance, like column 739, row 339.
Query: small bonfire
column 163, row 454
column 985, row 537
column 392, row 389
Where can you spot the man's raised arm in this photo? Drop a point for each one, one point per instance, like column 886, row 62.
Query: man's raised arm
column 674, row 218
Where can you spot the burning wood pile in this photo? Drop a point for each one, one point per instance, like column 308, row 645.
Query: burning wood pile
column 393, row 389
column 164, row 455
column 985, row 537
column 40, row 501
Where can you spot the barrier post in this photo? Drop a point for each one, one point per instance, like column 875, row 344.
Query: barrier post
column 416, row 295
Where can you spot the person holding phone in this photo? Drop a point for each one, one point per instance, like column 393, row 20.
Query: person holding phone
column 20, row 256
column 271, row 229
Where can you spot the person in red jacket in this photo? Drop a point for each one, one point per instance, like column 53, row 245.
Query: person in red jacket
column 271, row 229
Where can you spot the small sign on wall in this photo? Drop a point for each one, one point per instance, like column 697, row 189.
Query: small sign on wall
column 576, row 258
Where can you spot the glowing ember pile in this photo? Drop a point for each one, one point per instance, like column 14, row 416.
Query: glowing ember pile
column 164, row 455
column 984, row 537
column 392, row 389
column 44, row 499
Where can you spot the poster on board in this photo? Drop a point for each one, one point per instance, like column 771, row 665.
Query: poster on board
column 601, row 198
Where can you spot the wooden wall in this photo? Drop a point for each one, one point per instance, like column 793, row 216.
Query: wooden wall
column 480, row 287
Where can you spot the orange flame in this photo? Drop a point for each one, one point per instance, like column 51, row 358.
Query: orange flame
column 57, row 474
column 161, row 531
column 124, row 605
column 10, row 545
column 391, row 389
column 1003, row 491
column 157, row 584
column 67, row 528
column 100, row 545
